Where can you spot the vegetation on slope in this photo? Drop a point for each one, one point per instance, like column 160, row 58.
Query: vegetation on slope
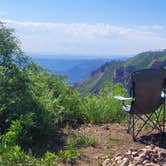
column 98, row 78
column 120, row 71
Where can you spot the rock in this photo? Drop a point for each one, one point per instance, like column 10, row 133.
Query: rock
column 145, row 162
column 148, row 156
column 129, row 152
column 133, row 149
column 106, row 162
column 125, row 162
column 162, row 154
column 106, row 127
column 135, row 153
column 118, row 158
column 151, row 164
column 118, row 155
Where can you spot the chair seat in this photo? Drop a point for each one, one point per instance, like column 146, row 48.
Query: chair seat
column 127, row 108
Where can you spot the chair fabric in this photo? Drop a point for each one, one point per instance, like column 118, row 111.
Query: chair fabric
column 147, row 87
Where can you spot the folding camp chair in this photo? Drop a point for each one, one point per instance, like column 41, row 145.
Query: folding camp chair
column 147, row 101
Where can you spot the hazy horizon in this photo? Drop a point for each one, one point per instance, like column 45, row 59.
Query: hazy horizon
column 74, row 56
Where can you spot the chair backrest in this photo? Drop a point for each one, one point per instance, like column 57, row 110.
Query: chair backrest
column 147, row 87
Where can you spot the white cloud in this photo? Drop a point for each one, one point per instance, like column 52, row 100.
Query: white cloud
column 88, row 38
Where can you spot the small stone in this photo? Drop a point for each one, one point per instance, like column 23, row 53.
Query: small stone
column 145, row 162
column 125, row 162
column 129, row 152
column 151, row 164
column 118, row 158
column 135, row 153
column 133, row 149
column 162, row 154
column 106, row 162
column 139, row 159
column 97, row 157
column 152, row 146
column 89, row 125
column 106, row 128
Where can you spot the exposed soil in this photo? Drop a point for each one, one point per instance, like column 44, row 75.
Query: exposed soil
column 112, row 139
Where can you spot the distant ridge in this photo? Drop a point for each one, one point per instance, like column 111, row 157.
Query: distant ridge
column 119, row 71
column 76, row 67
column 75, row 56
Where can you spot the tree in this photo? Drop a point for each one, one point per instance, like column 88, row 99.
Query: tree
column 29, row 108
column 12, row 78
column 11, row 54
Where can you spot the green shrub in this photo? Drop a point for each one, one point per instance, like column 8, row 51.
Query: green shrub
column 50, row 159
column 69, row 155
column 83, row 141
column 72, row 114
column 19, row 132
column 103, row 107
column 13, row 155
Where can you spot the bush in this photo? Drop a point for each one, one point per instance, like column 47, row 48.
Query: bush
column 69, row 155
column 72, row 114
column 13, row 155
column 104, row 108
column 83, row 141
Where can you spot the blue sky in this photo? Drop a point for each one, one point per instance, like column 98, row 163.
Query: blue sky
column 98, row 27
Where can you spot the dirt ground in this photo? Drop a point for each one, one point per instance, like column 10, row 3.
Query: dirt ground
column 112, row 138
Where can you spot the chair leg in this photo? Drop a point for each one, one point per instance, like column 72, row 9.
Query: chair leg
column 164, row 116
column 137, row 127
column 133, row 127
column 129, row 123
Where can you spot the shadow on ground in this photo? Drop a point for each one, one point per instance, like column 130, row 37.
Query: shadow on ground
column 158, row 139
column 56, row 142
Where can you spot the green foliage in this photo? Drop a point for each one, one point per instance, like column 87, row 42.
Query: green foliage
column 69, row 155
column 96, row 81
column 13, row 155
column 19, row 132
column 72, row 113
column 83, row 141
column 10, row 53
column 50, row 159
column 104, row 108
column 13, row 79
column 28, row 107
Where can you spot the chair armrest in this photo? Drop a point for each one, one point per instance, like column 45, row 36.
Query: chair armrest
column 123, row 98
